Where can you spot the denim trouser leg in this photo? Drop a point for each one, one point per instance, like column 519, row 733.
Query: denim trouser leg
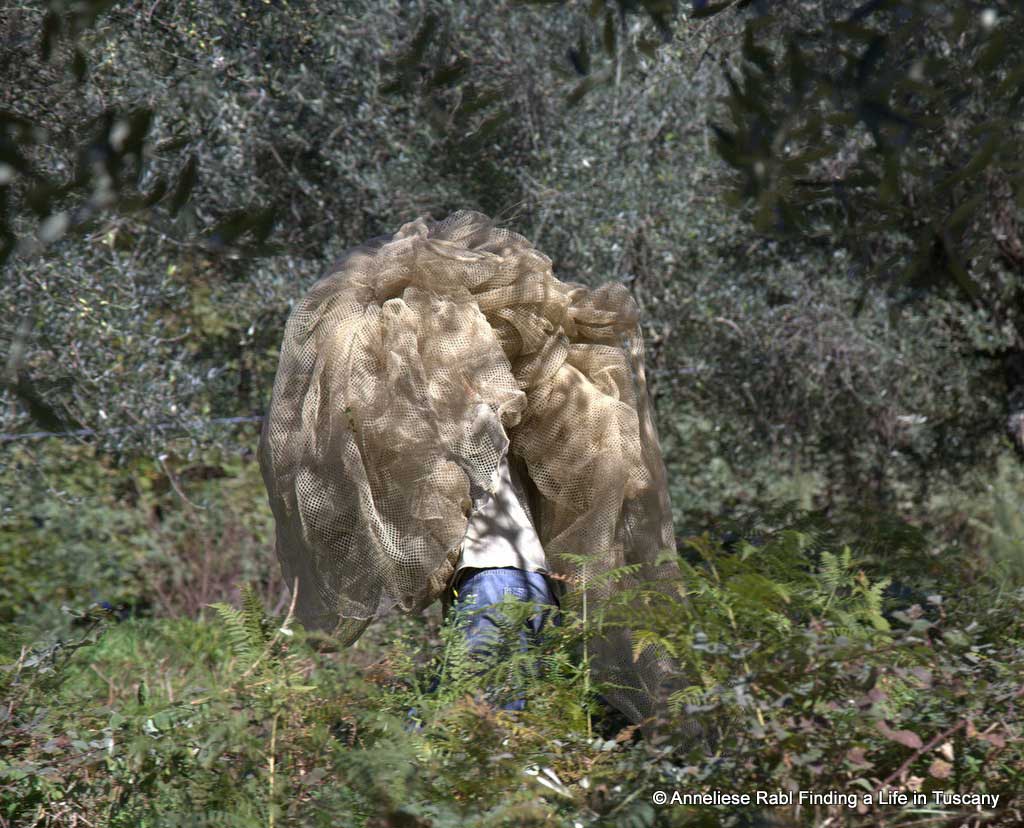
column 480, row 589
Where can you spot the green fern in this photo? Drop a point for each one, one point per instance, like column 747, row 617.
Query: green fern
column 835, row 568
column 238, row 634
column 248, row 629
column 257, row 622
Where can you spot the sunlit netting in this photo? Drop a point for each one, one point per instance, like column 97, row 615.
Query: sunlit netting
column 370, row 442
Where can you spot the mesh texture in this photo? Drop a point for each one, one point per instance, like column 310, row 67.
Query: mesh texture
column 369, row 445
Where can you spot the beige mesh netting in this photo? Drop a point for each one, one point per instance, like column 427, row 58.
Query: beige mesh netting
column 369, row 445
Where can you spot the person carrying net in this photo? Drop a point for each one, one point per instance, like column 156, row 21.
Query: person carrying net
column 449, row 420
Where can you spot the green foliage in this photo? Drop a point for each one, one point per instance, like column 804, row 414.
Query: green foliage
column 799, row 669
column 146, row 326
column 897, row 95
column 248, row 628
column 892, row 131
column 76, row 529
column 53, row 551
column 1005, row 530
column 826, row 650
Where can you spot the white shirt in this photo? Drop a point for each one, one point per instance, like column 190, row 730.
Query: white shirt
column 500, row 530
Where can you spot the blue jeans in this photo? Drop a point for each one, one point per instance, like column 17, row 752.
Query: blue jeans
column 474, row 596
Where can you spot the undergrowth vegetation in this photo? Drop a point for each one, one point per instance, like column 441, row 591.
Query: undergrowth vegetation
column 809, row 656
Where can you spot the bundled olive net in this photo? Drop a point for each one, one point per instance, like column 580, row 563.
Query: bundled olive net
column 372, row 437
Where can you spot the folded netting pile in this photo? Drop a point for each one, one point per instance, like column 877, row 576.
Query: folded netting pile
column 371, row 440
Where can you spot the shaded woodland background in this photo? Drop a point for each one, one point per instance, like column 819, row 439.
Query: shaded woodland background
column 817, row 206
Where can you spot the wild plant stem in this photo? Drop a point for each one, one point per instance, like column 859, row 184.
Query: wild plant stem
column 271, row 767
column 586, row 659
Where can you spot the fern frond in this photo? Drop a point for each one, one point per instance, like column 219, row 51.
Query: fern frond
column 256, row 621
column 239, row 639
